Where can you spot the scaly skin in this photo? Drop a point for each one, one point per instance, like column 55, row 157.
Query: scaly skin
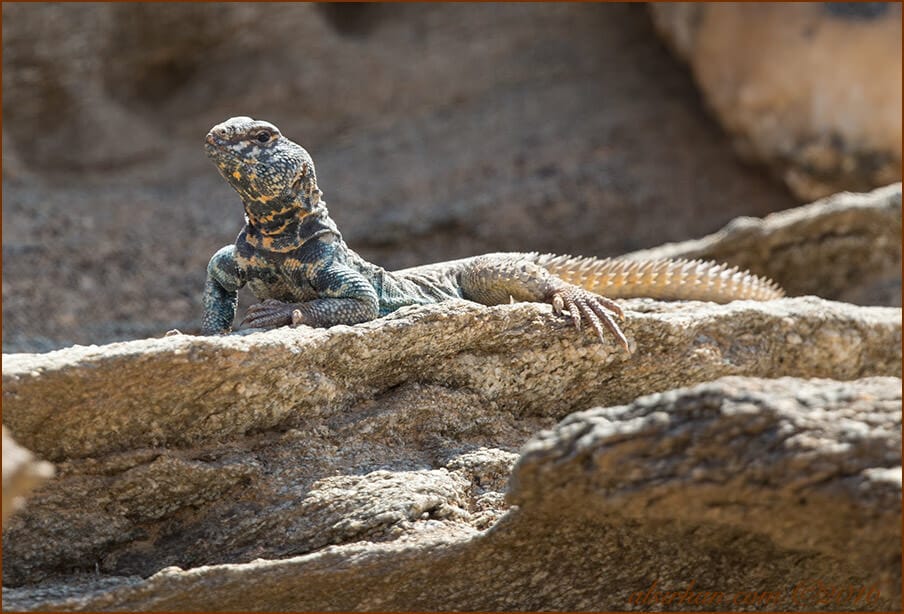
column 291, row 255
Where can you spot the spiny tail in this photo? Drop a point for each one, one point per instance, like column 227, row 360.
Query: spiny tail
column 680, row 279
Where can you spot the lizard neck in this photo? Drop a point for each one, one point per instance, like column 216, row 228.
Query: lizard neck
column 284, row 224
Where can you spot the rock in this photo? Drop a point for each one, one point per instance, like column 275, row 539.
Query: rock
column 57, row 87
column 170, row 447
column 187, row 391
column 846, row 247
column 811, row 466
column 22, row 473
column 736, row 490
column 814, row 89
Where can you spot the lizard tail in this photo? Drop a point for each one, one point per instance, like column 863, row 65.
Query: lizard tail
column 679, row 279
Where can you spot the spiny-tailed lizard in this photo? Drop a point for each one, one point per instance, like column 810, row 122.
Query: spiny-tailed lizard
column 291, row 255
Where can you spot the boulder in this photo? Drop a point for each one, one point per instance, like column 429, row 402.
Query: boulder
column 784, row 494
column 846, row 247
column 184, row 390
column 814, row 89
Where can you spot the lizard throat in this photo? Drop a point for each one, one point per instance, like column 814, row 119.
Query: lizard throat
column 273, row 216
column 287, row 226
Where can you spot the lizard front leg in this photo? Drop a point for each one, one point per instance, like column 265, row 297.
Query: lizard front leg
column 498, row 279
column 221, row 291
column 346, row 297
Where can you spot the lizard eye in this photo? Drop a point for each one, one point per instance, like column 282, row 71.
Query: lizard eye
column 263, row 137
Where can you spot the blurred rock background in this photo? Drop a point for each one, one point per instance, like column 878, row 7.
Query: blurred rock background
column 812, row 90
column 439, row 131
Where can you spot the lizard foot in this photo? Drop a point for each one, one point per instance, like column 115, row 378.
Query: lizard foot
column 269, row 313
column 583, row 305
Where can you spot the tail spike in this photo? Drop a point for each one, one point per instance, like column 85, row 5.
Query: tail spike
column 679, row 279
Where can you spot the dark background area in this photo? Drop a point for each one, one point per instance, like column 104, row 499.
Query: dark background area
column 439, row 131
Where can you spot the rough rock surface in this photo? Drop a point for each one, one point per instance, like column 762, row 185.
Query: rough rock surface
column 814, row 89
column 746, row 493
column 184, row 390
column 22, row 473
column 439, row 131
column 846, row 247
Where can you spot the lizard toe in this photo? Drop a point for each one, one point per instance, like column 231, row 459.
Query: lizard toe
column 572, row 308
column 268, row 314
column 297, row 318
column 600, row 310
column 587, row 307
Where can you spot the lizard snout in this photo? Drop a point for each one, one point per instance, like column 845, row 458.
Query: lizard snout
column 216, row 136
column 215, row 143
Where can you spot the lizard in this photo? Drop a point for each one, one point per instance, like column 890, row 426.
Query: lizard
column 291, row 255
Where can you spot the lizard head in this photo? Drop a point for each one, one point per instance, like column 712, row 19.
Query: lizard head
column 262, row 165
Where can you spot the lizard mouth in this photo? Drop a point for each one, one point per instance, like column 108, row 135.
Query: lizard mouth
column 213, row 143
column 219, row 151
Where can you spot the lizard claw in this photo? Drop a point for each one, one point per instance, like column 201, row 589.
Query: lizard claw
column 297, row 318
column 586, row 307
column 269, row 313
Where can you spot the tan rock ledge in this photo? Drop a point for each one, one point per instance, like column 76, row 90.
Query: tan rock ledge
column 184, row 390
